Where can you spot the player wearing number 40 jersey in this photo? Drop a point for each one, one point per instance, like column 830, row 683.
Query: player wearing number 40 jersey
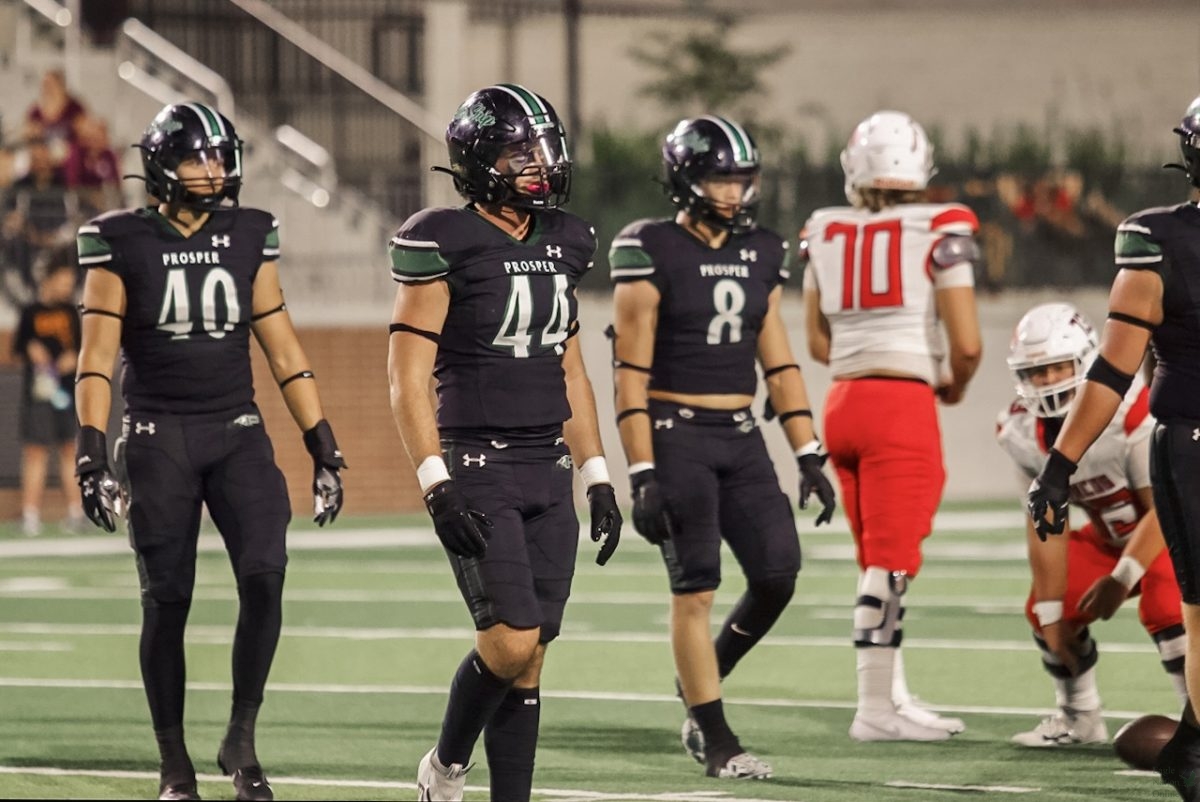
column 486, row 306
column 884, row 276
column 178, row 288
column 696, row 304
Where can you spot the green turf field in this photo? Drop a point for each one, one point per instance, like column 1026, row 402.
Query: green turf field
column 374, row 628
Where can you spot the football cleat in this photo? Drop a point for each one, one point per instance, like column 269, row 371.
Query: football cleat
column 1066, row 728
column 693, row 739
column 917, row 714
column 1179, row 765
column 180, row 790
column 742, row 766
column 892, row 726
column 438, row 783
column 249, row 782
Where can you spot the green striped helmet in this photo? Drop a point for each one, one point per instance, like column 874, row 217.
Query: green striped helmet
column 190, row 130
column 710, row 147
column 496, row 124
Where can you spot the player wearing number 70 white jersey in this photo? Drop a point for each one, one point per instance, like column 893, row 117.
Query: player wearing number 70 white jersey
column 885, row 276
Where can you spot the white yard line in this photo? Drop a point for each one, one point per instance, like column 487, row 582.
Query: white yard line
column 991, row 789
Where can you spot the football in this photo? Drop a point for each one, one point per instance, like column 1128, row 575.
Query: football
column 1139, row 742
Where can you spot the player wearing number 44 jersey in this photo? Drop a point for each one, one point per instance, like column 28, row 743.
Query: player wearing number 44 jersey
column 178, row 288
column 486, row 306
column 882, row 275
column 696, row 304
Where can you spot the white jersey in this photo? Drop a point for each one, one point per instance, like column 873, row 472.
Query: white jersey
column 876, row 278
column 1117, row 463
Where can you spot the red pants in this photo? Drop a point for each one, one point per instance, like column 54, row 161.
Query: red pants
column 885, row 443
column 1089, row 558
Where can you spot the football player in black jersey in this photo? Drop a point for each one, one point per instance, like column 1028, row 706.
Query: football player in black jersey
column 1154, row 301
column 486, row 307
column 696, row 304
column 177, row 288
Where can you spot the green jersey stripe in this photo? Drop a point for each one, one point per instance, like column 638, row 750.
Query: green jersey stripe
column 1131, row 243
column 91, row 245
column 272, row 239
column 417, row 264
column 626, row 256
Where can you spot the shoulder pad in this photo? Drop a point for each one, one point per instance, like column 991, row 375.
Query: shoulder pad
column 1136, row 244
column 954, row 249
column 416, row 249
column 629, row 256
column 954, row 218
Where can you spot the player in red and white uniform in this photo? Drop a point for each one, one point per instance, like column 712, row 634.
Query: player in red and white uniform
column 1118, row 553
column 886, row 277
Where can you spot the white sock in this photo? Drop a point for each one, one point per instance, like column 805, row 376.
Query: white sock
column 875, row 672
column 1078, row 693
column 1179, row 682
column 900, row 692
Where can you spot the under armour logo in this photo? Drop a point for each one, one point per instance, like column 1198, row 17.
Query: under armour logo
column 478, row 462
column 554, row 251
column 748, row 255
column 221, row 241
column 143, row 428
column 1195, row 434
column 665, row 423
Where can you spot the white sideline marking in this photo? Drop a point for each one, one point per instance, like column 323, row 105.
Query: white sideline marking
column 997, row 789
column 565, row 795
column 591, row 696
column 44, row 646
column 201, row 633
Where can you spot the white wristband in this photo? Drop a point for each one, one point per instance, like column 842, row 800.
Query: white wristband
column 594, row 471
column 430, row 472
column 1048, row 612
column 1128, row 571
column 638, row 467
column 811, row 447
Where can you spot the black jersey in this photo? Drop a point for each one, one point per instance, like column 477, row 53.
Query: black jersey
column 712, row 305
column 1167, row 240
column 185, row 340
column 512, row 308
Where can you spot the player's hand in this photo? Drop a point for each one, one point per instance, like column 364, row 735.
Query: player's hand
column 1058, row 638
column 606, row 520
column 98, row 490
column 651, row 513
column 1049, row 493
column 327, row 478
column 462, row 530
column 813, row 480
column 1103, row 598
column 950, row 393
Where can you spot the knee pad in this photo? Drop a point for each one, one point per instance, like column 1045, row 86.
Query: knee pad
column 879, row 608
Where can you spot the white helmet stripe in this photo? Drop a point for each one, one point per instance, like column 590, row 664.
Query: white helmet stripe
column 743, row 151
column 529, row 101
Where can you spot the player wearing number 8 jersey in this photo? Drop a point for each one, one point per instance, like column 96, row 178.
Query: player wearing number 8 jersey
column 884, row 276
column 178, row 288
column 486, row 307
column 696, row 304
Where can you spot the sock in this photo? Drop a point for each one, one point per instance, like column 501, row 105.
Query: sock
column 1078, row 693
column 875, row 669
column 163, row 670
column 260, row 617
column 1171, row 643
column 720, row 743
column 751, row 618
column 475, row 693
column 176, row 766
column 900, row 692
column 510, row 740
column 237, row 748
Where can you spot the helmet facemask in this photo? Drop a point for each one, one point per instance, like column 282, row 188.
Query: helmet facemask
column 536, row 172
column 735, row 217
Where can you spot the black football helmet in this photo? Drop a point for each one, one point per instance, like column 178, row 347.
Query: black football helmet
column 511, row 121
column 1189, row 143
column 184, row 130
column 709, row 147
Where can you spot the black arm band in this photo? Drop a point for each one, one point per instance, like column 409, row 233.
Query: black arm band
column 436, row 339
column 780, row 369
column 784, row 417
column 85, row 311
column 1132, row 321
column 619, row 365
column 90, row 374
column 91, row 450
column 261, row 315
column 322, row 447
column 1102, row 372
column 625, row 413
column 304, row 374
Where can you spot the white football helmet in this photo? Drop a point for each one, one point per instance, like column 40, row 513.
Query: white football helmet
column 888, row 150
column 1046, row 335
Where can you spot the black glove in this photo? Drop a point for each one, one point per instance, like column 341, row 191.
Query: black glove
column 1050, row 492
column 99, row 491
column 460, row 528
column 327, row 481
column 651, row 515
column 813, row 480
column 606, row 520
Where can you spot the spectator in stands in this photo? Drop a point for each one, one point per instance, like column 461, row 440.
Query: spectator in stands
column 92, row 169
column 52, row 116
column 38, row 215
column 47, row 342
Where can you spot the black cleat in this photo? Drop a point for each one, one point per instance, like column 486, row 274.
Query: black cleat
column 1179, row 764
column 249, row 782
column 179, row 790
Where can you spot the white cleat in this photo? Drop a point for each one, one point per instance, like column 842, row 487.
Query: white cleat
column 917, row 714
column 742, row 766
column 438, row 783
column 1067, row 727
column 892, row 726
column 693, row 739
